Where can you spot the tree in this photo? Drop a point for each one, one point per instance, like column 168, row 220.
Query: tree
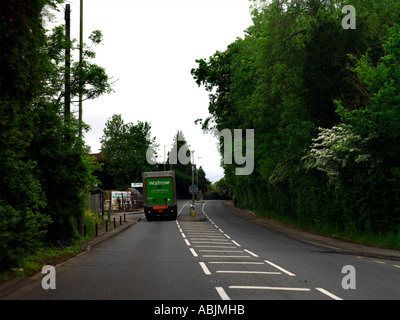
column 124, row 149
column 180, row 160
column 282, row 80
column 22, row 73
column 65, row 170
column 86, row 76
column 378, row 124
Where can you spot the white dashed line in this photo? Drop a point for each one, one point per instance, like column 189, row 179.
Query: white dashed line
column 205, row 269
column 253, row 254
column 193, row 252
column 222, row 293
column 236, row 243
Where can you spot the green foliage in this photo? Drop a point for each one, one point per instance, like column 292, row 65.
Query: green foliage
column 21, row 72
column 90, row 221
column 44, row 167
column 124, row 149
column 183, row 171
column 86, row 76
column 324, row 104
column 64, row 172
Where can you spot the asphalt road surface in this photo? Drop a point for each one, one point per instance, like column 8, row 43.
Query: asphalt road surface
column 220, row 257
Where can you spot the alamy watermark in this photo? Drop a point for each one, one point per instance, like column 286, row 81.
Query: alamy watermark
column 349, row 280
column 349, row 21
column 234, row 143
column 49, row 280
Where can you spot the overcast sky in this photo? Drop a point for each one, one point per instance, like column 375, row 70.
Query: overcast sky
column 151, row 46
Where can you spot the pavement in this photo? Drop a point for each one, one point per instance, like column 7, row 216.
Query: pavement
column 123, row 220
column 333, row 244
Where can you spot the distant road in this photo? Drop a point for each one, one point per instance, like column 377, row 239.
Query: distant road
column 222, row 258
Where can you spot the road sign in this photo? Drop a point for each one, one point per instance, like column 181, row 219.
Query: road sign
column 137, row 185
column 192, row 210
column 193, row 189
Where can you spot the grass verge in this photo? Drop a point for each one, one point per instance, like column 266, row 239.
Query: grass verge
column 46, row 255
column 388, row 240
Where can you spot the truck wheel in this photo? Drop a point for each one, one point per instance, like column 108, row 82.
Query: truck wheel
column 149, row 217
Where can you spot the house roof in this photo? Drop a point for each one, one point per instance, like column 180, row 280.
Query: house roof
column 134, row 190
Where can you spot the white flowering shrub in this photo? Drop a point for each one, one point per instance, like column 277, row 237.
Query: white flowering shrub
column 336, row 149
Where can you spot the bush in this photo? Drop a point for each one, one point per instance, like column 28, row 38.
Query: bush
column 21, row 232
column 90, row 220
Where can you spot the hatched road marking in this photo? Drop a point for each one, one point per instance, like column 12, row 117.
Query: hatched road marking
column 212, row 239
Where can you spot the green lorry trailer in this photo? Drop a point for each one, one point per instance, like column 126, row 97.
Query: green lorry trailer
column 159, row 194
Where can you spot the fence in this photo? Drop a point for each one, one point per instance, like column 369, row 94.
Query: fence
column 95, row 203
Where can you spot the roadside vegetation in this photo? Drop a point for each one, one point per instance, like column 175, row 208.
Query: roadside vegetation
column 324, row 105
column 45, row 168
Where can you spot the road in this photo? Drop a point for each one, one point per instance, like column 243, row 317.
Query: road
column 223, row 257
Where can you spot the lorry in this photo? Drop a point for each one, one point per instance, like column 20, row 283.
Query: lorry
column 159, row 189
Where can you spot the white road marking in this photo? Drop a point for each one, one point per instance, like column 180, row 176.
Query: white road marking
column 212, row 242
column 210, row 239
column 205, row 269
column 214, row 238
column 236, row 243
column 193, row 252
column 202, row 208
column 179, row 212
column 222, row 293
column 253, row 254
column 202, row 233
column 280, row 268
column 200, row 229
column 216, row 256
column 207, row 246
column 235, row 262
column 247, row 272
column 221, row 251
column 268, row 288
column 331, row 295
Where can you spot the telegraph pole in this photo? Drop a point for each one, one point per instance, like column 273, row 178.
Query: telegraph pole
column 80, row 66
column 67, row 99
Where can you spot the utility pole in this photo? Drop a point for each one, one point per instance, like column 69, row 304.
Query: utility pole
column 80, row 67
column 67, row 99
